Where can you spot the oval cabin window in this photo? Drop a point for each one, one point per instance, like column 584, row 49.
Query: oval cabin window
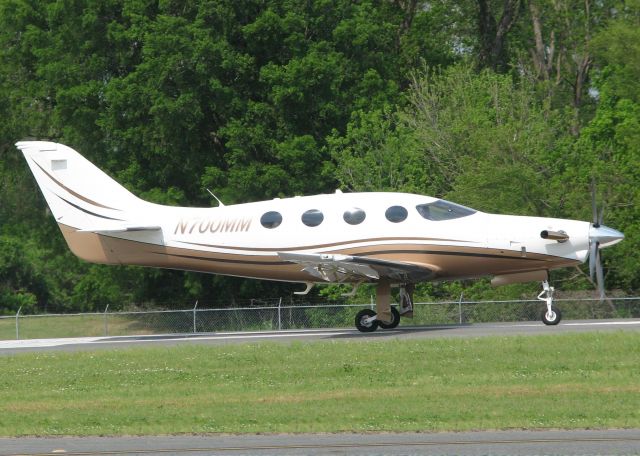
column 271, row 219
column 396, row 214
column 354, row 216
column 312, row 217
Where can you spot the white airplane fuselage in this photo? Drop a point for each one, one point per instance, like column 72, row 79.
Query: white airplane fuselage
column 341, row 237
column 231, row 239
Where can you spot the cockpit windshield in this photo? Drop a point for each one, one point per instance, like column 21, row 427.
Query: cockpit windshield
column 443, row 210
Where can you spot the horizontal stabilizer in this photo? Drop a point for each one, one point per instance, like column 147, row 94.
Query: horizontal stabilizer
column 119, row 229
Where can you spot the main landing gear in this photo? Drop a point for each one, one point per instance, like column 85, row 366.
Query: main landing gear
column 385, row 316
column 552, row 315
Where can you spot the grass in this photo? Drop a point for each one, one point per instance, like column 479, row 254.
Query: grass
column 556, row 381
column 87, row 325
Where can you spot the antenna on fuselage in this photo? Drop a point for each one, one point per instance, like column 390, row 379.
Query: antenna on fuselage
column 217, row 199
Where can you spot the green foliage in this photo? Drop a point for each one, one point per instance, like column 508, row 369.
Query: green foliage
column 22, row 285
column 481, row 139
column 608, row 150
column 617, row 46
column 377, row 153
column 486, row 136
column 608, row 147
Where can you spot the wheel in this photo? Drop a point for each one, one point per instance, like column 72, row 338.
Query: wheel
column 361, row 317
column 395, row 322
column 553, row 319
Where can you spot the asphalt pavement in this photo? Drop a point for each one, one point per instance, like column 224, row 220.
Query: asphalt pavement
column 9, row 347
column 515, row 443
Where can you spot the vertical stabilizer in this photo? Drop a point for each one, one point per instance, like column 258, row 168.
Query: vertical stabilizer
column 80, row 195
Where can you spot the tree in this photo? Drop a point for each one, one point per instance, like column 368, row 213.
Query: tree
column 556, row 50
column 173, row 97
column 257, row 99
column 378, row 153
column 486, row 136
column 608, row 147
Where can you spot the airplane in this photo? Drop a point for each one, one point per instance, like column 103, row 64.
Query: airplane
column 385, row 238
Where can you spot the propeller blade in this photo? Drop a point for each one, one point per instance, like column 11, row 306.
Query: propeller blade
column 593, row 258
column 601, row 216
column 594, row 208
column 599, row 276
column 599, row 236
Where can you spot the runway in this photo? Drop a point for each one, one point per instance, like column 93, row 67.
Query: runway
column 593, row 442
column 9, row 347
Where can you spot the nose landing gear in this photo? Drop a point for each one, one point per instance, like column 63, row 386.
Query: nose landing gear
column 551, row 316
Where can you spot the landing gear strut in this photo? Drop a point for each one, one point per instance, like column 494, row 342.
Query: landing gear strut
column 406, row 300
column 552, row 315
column 385, row 316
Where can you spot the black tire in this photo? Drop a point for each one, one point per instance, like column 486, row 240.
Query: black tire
column 395, row 322
column 554, row 321
column 361, row 316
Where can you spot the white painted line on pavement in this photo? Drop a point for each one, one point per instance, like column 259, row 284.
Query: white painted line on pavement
column 619, row 323
column 43, row 343
column 37, row 343
column 223, row 337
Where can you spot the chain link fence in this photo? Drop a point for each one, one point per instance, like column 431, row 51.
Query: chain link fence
column 274, row 315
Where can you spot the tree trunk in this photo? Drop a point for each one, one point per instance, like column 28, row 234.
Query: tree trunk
column 408, row 8
column 542, row 55
column 493, row 36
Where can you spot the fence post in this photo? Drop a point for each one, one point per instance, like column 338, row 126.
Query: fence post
column 460, row 307
column 106, row 324
column 280, row 314
column 194, row 317
column 17, row 325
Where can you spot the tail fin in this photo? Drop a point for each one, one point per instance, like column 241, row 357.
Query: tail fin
column 79, row 194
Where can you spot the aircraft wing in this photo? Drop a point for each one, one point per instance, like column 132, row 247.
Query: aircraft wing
column 347, row 268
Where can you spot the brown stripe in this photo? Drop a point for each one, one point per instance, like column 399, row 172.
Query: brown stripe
column 77, row 195
column 87, row 211
column 443, row 252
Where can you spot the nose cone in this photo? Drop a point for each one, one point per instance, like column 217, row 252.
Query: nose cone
column 604, row 235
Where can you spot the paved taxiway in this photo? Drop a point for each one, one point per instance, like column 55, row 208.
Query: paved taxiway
column 472, row 330
column 616, row 442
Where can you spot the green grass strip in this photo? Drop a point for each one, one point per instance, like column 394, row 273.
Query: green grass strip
column 556, row 381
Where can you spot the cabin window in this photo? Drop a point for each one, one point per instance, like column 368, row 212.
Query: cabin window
column 354, row 216
column 271, row 219
column 313, row 217
column 443, row 210
column 396, row 214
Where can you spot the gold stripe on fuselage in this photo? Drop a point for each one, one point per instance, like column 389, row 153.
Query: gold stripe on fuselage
column 323, row 246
